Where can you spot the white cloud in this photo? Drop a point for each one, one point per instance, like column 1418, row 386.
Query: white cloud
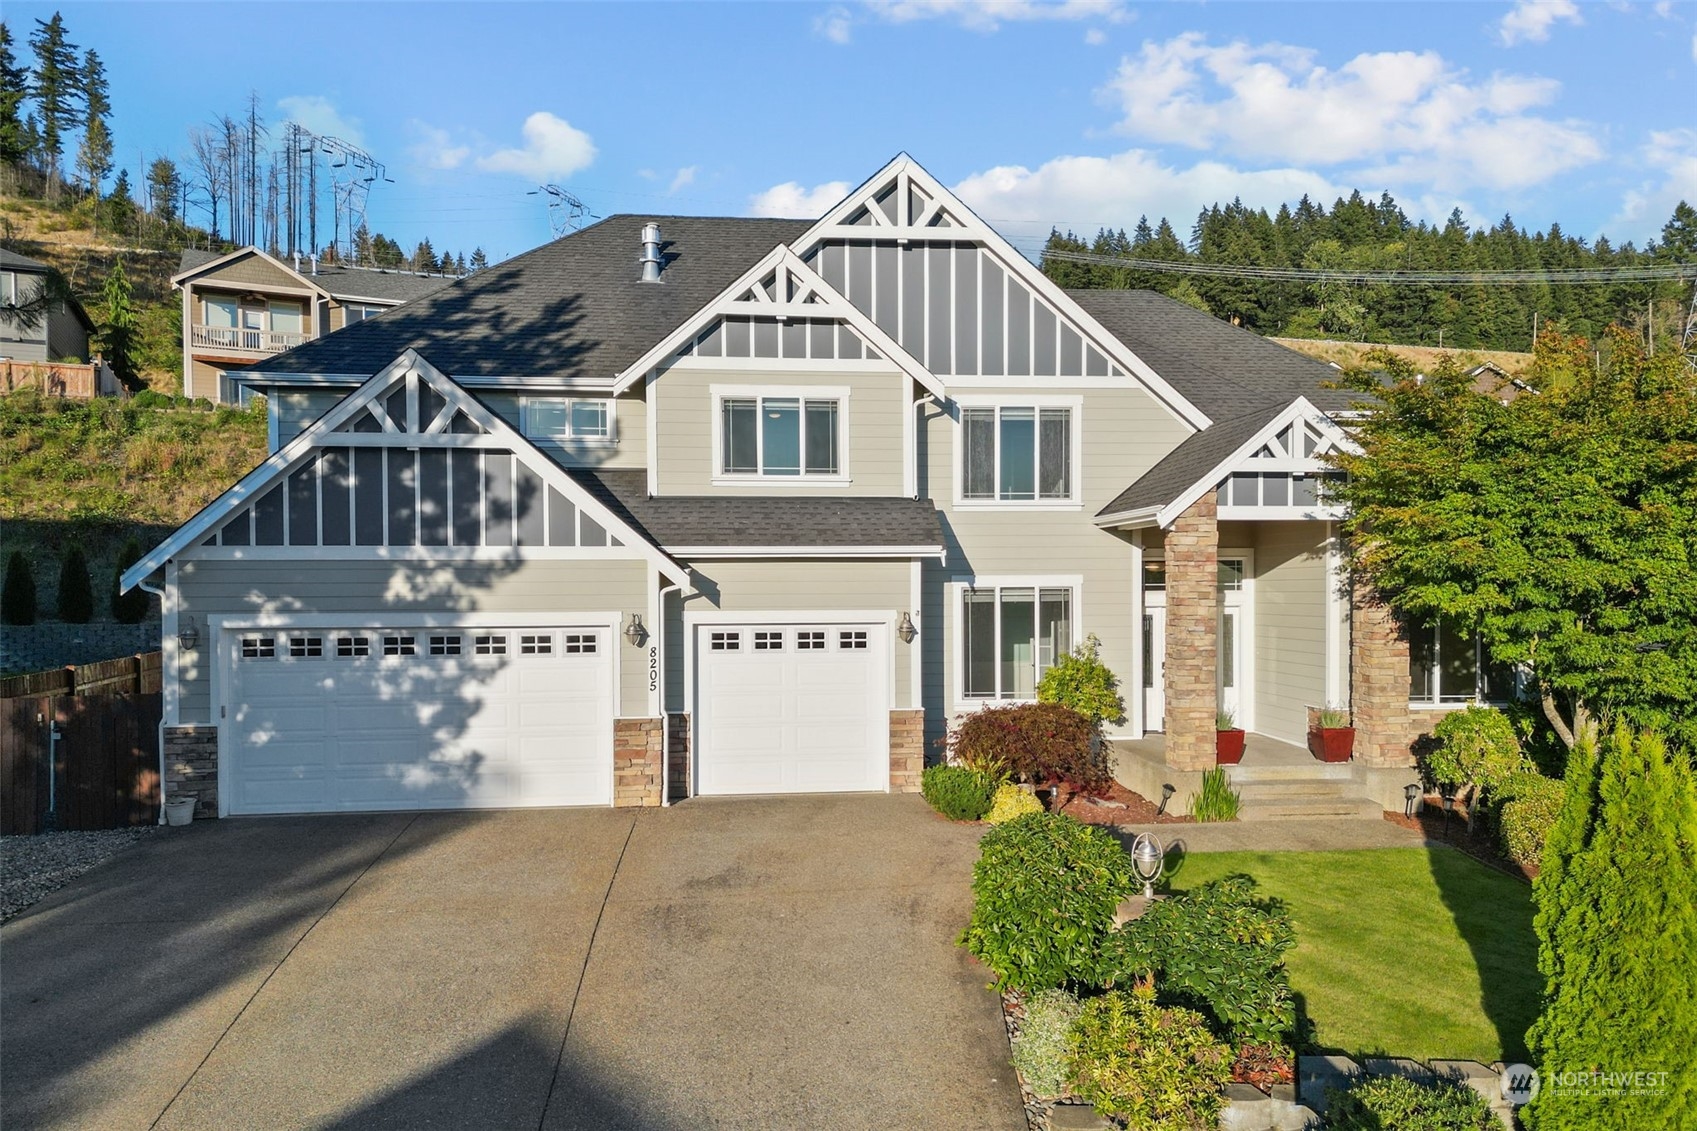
column 836, row 25
column 1530, row 21
column 320, row 115
column 435, row 148
column 988, row 15
column 1671, row 155
column 1095, row 37
column 792, row 200
column 553, row 148
column 1085, row 193
column 683, row 178
column 1405, row 111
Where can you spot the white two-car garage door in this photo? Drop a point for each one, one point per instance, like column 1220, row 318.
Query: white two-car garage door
column 792, row 708
column 328, row 720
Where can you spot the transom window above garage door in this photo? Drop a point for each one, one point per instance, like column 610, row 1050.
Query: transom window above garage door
column 778, row 639
column 359, row 644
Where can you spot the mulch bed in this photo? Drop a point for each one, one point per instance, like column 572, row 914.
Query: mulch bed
column 1117, row 805
column 1478, row 843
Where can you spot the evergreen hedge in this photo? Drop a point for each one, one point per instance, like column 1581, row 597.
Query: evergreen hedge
column 76, row 593
column 17, row 598
column 131, row 607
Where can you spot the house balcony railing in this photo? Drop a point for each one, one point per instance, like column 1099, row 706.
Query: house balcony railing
column 248, row 341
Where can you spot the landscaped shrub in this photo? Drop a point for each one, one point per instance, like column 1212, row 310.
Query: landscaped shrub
column 1531, row 804
column 1217, row 949
column 1081, row 680
column 1011, row 802
column 1395, row 1103
column 17, row 597
column 1044, row 889
column 1032, row 742
column 1042, row 1051
column 1158, row 1067
column 131, row 607
column 1217, row 800
column 1476, row 751
column 956, row 792
column 76, row 595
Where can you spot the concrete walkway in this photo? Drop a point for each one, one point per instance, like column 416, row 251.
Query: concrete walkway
column 751, row 963
column 1282, row 836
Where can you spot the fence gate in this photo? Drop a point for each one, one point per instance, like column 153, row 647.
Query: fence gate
column 106, row 758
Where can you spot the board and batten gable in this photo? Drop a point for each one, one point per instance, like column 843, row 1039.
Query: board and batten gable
column 873, row 403
column 395, row 589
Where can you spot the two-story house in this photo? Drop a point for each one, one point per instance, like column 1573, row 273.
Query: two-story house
column 241, row 306
column 758, row 506
column 30, row 332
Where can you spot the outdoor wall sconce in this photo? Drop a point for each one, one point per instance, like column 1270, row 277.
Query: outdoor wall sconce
column 635, row 632
column 905, row 629
column 1410, row 798
column 188, row 635
column 1146, row 857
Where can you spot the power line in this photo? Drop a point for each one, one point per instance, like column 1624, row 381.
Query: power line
column 1566, row 276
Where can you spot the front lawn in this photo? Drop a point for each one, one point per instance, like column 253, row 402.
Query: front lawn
column 1412, row 952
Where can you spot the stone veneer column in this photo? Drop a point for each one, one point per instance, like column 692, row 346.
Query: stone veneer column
column 1193, row 624
column 639, row 762
column 907, row 750
column 1378, row 682
column 191, row 767
column 677, row 757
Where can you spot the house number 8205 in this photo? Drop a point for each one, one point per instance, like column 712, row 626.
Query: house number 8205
column 654, row 668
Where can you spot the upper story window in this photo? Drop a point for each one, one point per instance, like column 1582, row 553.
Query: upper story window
column 558, row 418
column 780, row 436
column 286, row 317
column 1446, row 666
column 221, row 313
column 359, row 311
column 1017, row 453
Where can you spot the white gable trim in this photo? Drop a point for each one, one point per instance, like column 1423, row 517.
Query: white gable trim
column 413, row 369
column 192, row 273
column 906, row 172
column 813, row 298
column 1299, row 411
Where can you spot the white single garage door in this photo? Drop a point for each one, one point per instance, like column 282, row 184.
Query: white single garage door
column 792, row 708
column 345, row 720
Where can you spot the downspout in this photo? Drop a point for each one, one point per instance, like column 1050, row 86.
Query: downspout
column 665, row 711
column 160, row 593
column 918, row 427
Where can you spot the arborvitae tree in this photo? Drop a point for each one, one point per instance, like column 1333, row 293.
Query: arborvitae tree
column 131, row 607
column 14, row 87
column 76, row 593
column 164, row 183
column 17, row 595
column 56, row 87
column 1617, row 928
column 117, row 336
column 94, row 158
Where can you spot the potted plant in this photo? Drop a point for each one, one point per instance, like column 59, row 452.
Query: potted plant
column 1228, row 740
column 1330, row 737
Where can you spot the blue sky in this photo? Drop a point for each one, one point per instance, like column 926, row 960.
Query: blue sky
column 1077, row 114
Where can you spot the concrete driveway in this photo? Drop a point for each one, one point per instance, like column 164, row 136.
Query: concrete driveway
column 746, row 963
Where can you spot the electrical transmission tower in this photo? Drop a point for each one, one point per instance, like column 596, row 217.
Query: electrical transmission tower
column 352, row 173
column 566, row 213
column 1688, row 340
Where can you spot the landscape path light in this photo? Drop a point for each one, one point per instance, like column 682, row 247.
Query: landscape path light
column 1146, row 858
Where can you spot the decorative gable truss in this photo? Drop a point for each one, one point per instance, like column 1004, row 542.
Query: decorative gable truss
column 1281, row 473
column 781, row 310
column 408, row 466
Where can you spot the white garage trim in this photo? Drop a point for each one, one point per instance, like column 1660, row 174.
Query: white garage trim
column 883, row 619
column 225, row 630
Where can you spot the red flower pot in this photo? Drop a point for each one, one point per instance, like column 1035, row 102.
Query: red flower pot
column 1331, row 744
column 1228, row 747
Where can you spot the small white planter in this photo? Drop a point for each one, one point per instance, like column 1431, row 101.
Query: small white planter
column 179, row 810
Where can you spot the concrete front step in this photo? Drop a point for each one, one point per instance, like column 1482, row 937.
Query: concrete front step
column 1296, row 771
column 1306, row 809
column 1295, row 789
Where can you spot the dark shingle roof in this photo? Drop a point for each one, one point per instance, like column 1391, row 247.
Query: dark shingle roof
column 12, row 261
column 193, row 257
column 572, row 307
column 752, row 522
column 1220, row 368
column 1190, row 461
column 344, row 282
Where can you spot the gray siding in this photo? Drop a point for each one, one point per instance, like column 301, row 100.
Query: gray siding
column 630, row 427
column 1125, row 432
column 297, row 408
column 793, row 586
column 874, row 410
column 392, row 589
column 1290, row 625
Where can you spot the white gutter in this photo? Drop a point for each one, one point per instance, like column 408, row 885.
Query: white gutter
column 160, row 593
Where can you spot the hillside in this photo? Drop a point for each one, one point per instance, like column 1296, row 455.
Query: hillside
column 1423, row 358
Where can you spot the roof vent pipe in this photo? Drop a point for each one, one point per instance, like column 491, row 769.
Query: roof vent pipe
column 297, row 263
column 651, row 252
column 315, row 263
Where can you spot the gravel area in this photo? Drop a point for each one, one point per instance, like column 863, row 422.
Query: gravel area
column 35, row 866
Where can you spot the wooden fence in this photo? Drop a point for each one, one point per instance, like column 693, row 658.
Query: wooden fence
column 79, row 747
column 61, row 378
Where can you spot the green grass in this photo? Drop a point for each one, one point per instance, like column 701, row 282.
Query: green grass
column 1411, row 952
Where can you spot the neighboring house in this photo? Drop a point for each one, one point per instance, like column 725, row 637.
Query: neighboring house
column 245, row 305
column 761, row 514
column 59, row 333
column 1492, row 380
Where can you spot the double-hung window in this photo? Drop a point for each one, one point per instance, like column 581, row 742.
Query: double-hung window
column 1448, row 666
column 1016, row 453
column 1010, row 636
column 556, row 418
column 780, row 436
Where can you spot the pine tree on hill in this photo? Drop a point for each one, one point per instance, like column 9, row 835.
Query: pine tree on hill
column 14, row 87
column 55, row 85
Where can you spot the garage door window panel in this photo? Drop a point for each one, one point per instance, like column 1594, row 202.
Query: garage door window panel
column 306, row 647
column 400, row 646
column 352, row 647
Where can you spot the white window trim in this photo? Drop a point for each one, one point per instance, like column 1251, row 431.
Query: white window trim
column 717, row 394
column 1474, row 700
column 1243, row 600
column 955, row 591
column 610, row 440
column 1012, row 400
